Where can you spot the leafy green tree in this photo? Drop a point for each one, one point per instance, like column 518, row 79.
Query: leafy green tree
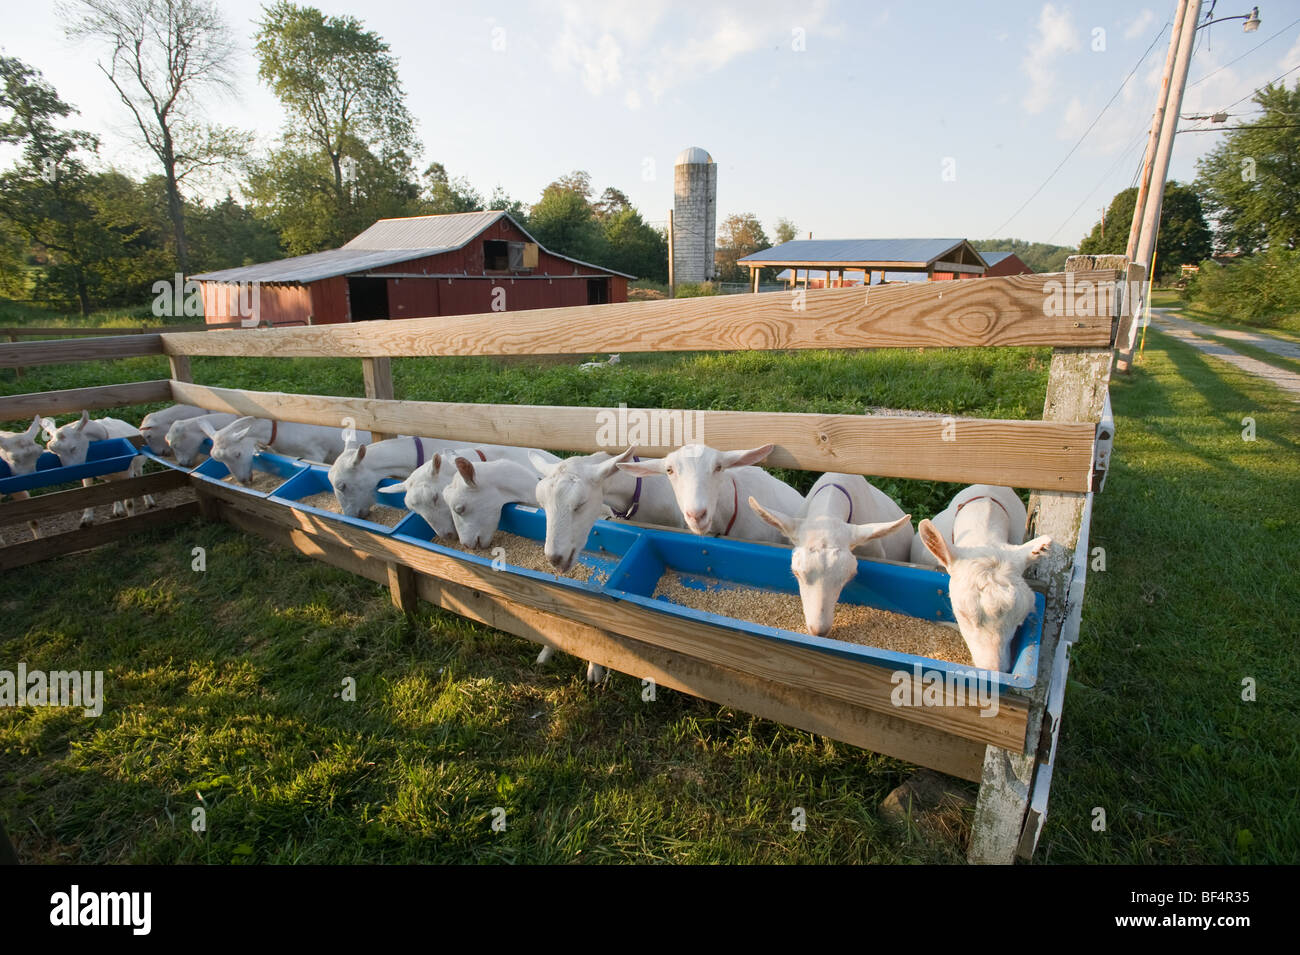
column 1250, row 182
column 738, row 236
column 564, row 221
column 1184, row 237
column 45, row 197
column 785, row 231
column 163, row 54
column 345, row 159
column 442, row 194
column 500, row 199
column 635, row 247
column 227, row 234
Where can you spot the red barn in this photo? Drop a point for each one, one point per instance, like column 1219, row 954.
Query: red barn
column 457, row 264
column 1005, row 263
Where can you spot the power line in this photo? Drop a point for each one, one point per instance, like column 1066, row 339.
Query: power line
column 1246, row 54
column 1215, row 129
column 1258, row 88
column 1073, row 148
column 1105, row 176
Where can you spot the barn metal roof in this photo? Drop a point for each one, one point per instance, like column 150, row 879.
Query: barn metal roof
column 442, row 233
column 857, row 251
column 993, row 258
column 387, row 242
column 316, row 266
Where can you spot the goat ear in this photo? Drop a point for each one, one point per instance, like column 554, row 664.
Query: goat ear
column 398, row 488
column 34, row 431
column 935, row 544
column 361, row 453
column 740, row 459
column 1033, row 549
column 787, row 525
column 50, row 428
column 206, row 428
column 466, row 471
column 607, row 469
column 540, row 464
column 85, row 419
column 868, row 532
column 647, row 468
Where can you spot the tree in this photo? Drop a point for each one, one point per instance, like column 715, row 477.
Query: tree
column 634, row 247
column 1039, row 256
column 163, row 54
column 346, row 154
column 564, row 221
column 738, row 236
column 1250, row 182
column 45, row 196
column 1184, row 237
column 443, row 195
column 785, row 231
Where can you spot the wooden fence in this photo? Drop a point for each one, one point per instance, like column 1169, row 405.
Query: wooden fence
column 1011, row 755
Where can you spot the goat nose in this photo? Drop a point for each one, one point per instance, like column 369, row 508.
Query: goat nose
column 555, row 559
column 697, row 516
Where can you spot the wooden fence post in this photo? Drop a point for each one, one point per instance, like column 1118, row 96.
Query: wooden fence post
column 1076, row 392
column 378, row 373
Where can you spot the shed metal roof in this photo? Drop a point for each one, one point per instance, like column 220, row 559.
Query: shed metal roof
column 387, row 242
column 856, row 251
column 993, row 258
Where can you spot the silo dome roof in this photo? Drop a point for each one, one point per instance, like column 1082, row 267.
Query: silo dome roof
column 691, row 155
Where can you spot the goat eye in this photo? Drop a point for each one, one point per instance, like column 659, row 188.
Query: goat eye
column 668, row 470
column 717, row 467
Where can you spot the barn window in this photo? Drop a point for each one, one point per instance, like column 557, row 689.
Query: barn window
column 523, row 256
column 496, row 255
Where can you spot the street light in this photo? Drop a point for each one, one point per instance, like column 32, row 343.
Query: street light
column 1250, row 26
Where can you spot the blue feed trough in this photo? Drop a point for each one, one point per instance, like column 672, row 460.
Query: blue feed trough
column 628, row 562
column 276, row 465
column 102, row 457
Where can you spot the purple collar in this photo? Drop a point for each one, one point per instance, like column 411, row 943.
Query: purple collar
column 847, row 497
column 636, row 499
column 419, row 452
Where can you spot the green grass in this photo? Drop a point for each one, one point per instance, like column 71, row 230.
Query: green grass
column 1286, row 327
column 223, row 684
column 1199, row 592
column 1253, row 351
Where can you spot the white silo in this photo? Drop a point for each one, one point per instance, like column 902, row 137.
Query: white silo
column 695, row 208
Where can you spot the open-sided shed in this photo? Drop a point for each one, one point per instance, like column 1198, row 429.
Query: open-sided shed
column 933, row 258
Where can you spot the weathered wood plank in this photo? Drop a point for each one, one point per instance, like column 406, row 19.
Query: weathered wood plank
column 76, row 499
column 95, row 398
column 804, row 709
column 29, row 552
column 1002, row 311
column 378, row 376
column 29, row 354
column 78, row 331
column 1028, row 454
column 853, row 682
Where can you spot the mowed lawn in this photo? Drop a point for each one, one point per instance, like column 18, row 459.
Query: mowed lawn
column 223, row 687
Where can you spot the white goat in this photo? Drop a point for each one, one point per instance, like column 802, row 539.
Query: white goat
column 574, row 493
column 844, row 517
column 593, row 365
column 71, row 442
column 20, row 450
column 237, row 443
column 977, row 540
column 186, row 437
column 356, row 473
column 155, row 424
column 424, row 488
column 710, row 486
column 478, row 492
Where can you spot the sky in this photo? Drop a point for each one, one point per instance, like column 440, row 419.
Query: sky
column 853, row 120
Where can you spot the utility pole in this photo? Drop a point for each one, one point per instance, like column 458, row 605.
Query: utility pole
column 1146, row 214
column 672, row 284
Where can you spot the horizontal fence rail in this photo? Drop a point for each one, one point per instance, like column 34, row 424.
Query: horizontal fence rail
column 95, row 398
column 1041, row 455
column 1004, row 311
column 29, row 354
column 81, row 331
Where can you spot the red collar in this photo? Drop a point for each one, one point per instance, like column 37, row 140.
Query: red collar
column 984, row 497
column 735, row 507
column 271, row 440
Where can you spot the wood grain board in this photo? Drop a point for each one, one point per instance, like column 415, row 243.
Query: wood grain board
column 1002, row 311
column 1029, row 454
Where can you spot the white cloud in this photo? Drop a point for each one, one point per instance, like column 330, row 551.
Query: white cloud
column 1139, row 24
column 651, row 47
column 1054, row 37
